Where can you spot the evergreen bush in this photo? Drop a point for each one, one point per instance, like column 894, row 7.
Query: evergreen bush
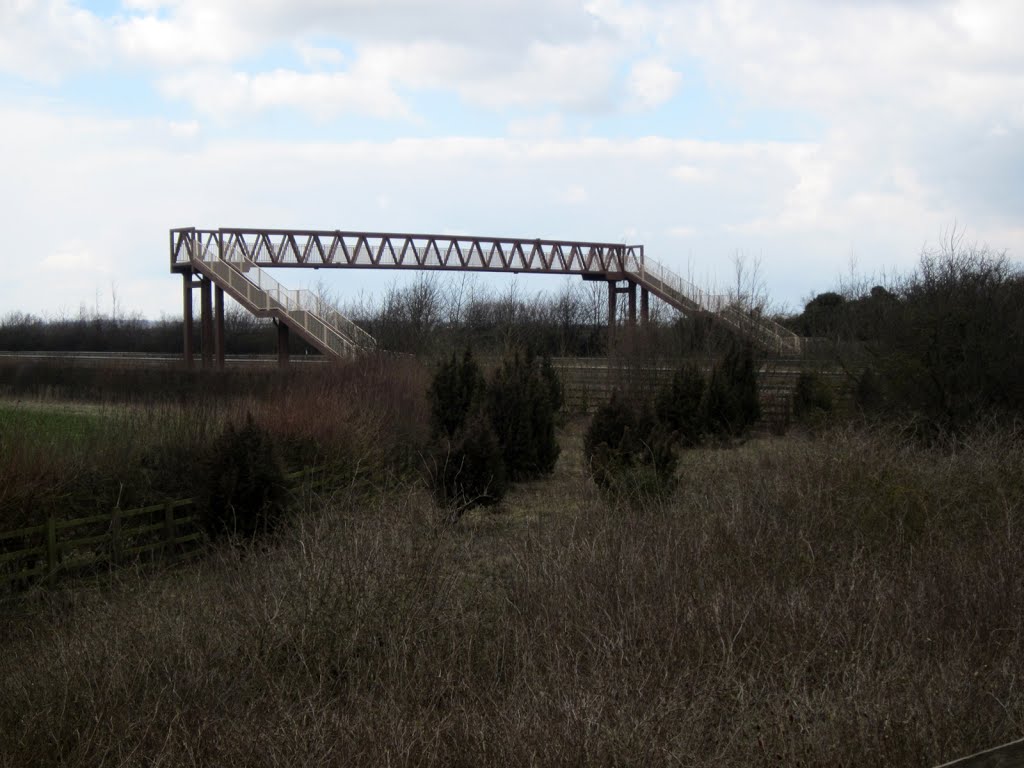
column 812, row 397
column 522, row 401
column 629, row 453
column 456, row 387
column 244, row 490
column 679, row 405
column 868, row 394
column 731, row 403
column 468, row 470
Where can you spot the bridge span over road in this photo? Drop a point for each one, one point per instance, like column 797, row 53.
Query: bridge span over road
column 235, row 260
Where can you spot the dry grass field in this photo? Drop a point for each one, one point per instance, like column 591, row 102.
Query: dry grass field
column 845, row 600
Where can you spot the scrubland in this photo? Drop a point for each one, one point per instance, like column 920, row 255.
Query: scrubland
column 848, row 598
column 847, row 594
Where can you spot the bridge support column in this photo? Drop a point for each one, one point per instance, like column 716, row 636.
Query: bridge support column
column 645, row 306
column 282, row 344
column 613, row 295
column 631, row 291
column 206, row 308
column 218, row 326
column 186, row 302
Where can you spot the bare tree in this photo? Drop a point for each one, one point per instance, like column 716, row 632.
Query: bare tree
column 748, row 292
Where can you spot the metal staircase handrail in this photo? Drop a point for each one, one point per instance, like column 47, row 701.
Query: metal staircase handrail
column 271, row 296
column 765, row 330
column 248, row 249
column 256, row 298
column 299, row 299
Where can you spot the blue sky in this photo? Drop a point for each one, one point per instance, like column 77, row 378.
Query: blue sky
column 806, row 136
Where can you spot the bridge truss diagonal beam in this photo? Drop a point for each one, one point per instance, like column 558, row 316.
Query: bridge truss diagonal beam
column 324, row 248
column 260, row 247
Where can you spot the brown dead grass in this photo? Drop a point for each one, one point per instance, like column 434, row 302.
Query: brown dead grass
column 847, row 600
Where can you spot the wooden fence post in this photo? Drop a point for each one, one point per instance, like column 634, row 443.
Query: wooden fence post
column 168, row 530
column 51, row 550
column 115, row 536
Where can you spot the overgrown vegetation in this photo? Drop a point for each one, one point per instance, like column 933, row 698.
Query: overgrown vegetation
column 943, row 343
column 812, row 399
column 489, row 432
column 632, row 446
column 731, row 402
column 848, row 595
column 243, row 484
column 850, row 601
column 630, row 454
column 360, row 423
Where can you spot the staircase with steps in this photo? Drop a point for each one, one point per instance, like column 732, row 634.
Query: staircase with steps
column 320, row 325
column 764, row 332
column 245, row 250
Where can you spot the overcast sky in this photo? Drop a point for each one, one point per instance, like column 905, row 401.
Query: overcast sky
column 805, row 134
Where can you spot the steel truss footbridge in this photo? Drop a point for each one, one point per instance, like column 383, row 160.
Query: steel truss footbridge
column 235, row 260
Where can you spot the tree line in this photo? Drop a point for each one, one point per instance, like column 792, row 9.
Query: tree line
column 942, row 344
column 430, row 316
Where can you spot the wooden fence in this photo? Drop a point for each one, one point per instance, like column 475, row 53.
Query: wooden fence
column 589, row 382
column 58, row 549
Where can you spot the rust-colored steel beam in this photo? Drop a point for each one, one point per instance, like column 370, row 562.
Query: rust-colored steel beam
column 613, row 295
column 187, row 317
column 206, row 320
column 218, row 326
column 282, row 344
column 383, row 250
column 245, row 249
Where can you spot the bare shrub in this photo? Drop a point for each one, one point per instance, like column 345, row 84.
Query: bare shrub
column 244, row 493
column 852, row 600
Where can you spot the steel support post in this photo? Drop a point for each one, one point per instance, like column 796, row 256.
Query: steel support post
column 206, row 308
column 282, row 344
column 645, row 306
column 612, row 309
column 631, row 290
column 186, row 297
column 218, row 326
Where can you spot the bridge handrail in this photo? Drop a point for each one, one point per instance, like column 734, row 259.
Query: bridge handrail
column 361, row 249
column 189, row 244
column 262, row 299
column 299, row 299
column 709, row 302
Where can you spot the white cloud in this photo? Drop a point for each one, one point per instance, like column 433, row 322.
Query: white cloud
column 44, row 39
column 315, row 57
column 568, row 76
column 222, row 30
column 690, row 173
column 576, row 194
column 231, row 95
column 916, row 112
column 203, row 35
column 682, row 232
column 188, row 129
column 546, row 126
column 74, row 257
column 652, row 83
column 114, row 188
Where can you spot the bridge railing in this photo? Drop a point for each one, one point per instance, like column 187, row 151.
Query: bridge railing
column 263, row 291
column 281, row 248
column 704, row 300
column 291, row 248
column 298, row 299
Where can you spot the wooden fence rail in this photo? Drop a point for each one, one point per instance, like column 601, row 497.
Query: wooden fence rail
column 60, row 548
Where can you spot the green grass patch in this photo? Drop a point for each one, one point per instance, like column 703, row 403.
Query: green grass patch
column 56, row 425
